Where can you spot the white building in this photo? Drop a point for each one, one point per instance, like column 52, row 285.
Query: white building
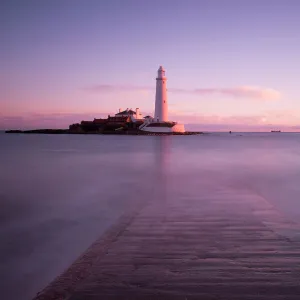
column 160, row 121
column 134, row 115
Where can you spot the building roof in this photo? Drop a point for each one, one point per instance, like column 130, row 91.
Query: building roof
column 86, row 122
column 117, row 119
column 100, row 121
column 126, row 112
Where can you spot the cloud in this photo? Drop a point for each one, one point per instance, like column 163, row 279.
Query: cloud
column 104, row 88
column 252, row 92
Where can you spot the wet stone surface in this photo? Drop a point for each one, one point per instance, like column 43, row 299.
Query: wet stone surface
column 225, row 245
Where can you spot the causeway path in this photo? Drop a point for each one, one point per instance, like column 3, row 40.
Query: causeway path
column 222, row 243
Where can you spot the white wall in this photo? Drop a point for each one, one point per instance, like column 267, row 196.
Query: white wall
column 175, row 128
column 178, row 128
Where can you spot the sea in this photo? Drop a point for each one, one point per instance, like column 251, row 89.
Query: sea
column 59, row 193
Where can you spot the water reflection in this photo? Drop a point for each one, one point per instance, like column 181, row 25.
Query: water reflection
column 77, row 186
column 162, row 151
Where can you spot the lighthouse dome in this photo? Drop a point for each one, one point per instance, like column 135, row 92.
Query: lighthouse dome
column 161, row 73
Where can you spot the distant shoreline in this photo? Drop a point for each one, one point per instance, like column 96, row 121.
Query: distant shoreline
column 127, row 132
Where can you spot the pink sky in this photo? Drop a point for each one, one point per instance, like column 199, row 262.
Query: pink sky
column 207, row 109
column 205, row 116
column 61, row 64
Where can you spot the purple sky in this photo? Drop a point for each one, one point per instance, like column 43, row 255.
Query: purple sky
column 231, row 64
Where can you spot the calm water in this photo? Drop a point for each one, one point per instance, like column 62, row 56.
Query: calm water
column 58, row 193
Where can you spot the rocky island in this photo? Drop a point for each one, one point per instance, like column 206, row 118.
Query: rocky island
column 122, row 123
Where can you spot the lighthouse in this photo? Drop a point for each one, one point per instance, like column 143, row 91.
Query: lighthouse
column 160, row 122
column 161, row 99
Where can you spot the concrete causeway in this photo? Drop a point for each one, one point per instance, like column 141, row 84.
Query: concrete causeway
column 220, row 244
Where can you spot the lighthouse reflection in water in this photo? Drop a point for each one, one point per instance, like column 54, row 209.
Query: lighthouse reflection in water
column 162, row 155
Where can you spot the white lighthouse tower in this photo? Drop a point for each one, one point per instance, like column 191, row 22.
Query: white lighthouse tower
column 160, row 122
column 161, row 99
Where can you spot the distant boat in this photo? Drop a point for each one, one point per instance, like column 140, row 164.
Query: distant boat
column 275, row 130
